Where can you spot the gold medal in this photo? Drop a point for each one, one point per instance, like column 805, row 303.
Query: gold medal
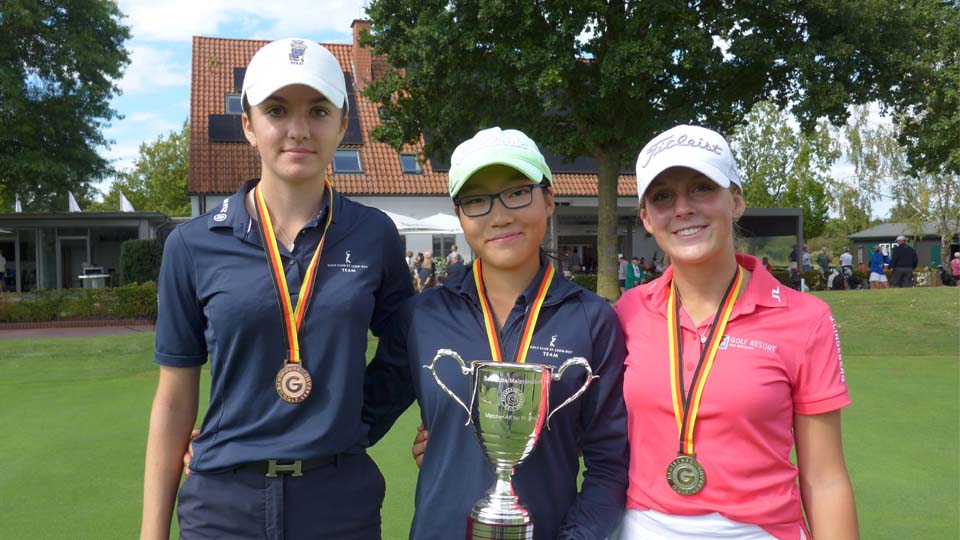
column 294, row 383
column 685, row 475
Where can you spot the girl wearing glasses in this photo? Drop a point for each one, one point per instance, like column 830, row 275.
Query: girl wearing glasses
column 727, row 371
column 501, row 188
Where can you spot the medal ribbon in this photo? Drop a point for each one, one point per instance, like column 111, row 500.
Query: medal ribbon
column 686, row 405
column 292, row 315
column 489, row 322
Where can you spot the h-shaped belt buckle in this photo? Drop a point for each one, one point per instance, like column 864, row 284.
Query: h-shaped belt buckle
column 273, row 468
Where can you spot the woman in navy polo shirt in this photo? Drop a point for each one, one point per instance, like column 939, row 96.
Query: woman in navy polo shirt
column 501, row 187
column 278, row 288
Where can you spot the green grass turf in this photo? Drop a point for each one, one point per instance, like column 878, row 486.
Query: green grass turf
column 74, row 411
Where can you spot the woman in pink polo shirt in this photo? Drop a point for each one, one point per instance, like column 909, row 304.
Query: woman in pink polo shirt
column 727, row 371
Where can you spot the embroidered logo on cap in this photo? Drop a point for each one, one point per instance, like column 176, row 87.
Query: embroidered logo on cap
column 683, row 140
column 297, row 49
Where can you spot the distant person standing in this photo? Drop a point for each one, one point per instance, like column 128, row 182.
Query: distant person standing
column 635, row 274
column 455, row 266
column 3, row 271
column 823, row 261
column 903, row 260
column 622, row 272
column 427, row 276
column 806, row 264
column 878, row 279
column 846, row 259
column 575, row 262
column 954, row 268
column 453, row 253
column 766, row 264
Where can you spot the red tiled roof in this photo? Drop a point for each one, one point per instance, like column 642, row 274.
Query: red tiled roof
column 220, row 167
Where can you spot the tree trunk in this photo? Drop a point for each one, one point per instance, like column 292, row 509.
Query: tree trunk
column 607, row 283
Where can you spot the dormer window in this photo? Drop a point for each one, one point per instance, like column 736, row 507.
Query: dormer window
column 347, row 162
column 233, row 104
column 410, row 164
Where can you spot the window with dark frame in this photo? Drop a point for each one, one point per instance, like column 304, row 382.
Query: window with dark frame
column 232, row 104
column 410, row 164
column 347, row 162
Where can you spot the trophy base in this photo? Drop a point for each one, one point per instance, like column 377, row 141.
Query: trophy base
column 477, row 530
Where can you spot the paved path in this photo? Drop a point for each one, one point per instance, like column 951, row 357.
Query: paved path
column 45, row 333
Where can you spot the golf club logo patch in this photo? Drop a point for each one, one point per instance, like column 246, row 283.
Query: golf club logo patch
column 297, row 49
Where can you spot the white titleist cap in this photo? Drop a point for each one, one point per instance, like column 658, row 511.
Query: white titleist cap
column 294, row 61
column 697, row 148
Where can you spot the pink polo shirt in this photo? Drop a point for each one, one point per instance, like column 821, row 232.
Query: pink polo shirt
column 780, row 356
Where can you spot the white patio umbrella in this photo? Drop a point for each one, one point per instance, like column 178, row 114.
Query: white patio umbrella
column 449, row 224
column 409, row 225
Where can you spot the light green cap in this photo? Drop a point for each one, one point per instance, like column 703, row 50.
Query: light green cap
column 497, row 146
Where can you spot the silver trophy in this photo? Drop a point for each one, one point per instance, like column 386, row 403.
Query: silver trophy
column 508, row 409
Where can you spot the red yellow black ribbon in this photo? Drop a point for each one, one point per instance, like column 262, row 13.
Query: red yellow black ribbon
column 687, row 404
column 292, row 315
column 533, row 313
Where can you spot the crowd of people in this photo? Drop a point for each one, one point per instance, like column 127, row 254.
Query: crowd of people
column 703, row 390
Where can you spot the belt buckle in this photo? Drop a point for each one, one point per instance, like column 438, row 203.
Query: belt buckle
column 295, row 468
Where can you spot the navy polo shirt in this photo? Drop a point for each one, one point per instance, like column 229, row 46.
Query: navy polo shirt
column 455, row 473
column 217, row 301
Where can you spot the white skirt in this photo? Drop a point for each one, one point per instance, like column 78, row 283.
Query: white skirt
column 881, row 277
column 653, row 525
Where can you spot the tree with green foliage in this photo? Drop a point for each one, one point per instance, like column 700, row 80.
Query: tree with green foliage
column 599, row 78
column 59, row 67
column 783, row 167
column 928, row 95
column 158, row 180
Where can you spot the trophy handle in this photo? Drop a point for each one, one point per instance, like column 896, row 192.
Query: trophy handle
column 577, row 361
column 463, row 369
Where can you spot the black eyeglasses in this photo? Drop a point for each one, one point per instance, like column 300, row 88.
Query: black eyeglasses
column 481, row 203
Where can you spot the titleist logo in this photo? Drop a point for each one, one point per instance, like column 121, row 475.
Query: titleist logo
column 670, row 142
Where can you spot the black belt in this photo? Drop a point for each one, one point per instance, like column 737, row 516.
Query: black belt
column 274, row 467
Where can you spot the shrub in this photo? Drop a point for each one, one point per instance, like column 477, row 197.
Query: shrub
column 87, row 304
column 137, row 301
column 133, row 301
column 139, row 261
column 587, row 281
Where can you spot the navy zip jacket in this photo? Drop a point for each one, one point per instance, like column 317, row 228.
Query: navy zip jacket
column 455, row 473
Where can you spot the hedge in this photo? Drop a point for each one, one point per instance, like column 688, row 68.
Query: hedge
column 139, row 261
column 133, row 301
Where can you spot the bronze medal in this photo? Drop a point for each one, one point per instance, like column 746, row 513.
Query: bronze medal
column 294, row 383
column 685, row 475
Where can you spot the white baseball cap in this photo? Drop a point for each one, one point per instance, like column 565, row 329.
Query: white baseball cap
column 901, row 237
column 294, row 61
column 694, row 147
column 495, row 146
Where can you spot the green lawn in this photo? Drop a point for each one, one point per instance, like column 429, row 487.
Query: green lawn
column 73, row 419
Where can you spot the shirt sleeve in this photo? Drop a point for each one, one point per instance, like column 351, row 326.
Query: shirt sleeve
column 820, row 385
column 395, row 283
column 388, row 384
column 599, row 505
column 180, row 340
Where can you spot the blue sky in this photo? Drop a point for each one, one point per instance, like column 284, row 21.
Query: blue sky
column 156, row 84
